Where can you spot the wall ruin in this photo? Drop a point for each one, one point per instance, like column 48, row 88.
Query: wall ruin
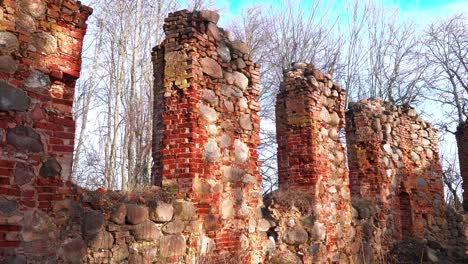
column 206, row 130
column 462, row 143
column 394, row 165
column 311, row 159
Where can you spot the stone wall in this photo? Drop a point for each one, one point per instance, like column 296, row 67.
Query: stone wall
column 395, row 174
column 206, row 131
column 311, row 159
column 462, row 143
column 40, row 58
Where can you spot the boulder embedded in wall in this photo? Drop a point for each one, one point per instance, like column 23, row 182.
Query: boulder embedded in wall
column 211, row 68
column 8, row 42
column 210, row 16
column 74, row 250
column 7, row 207
column 210, row 97
column 295, row 236
column 318, row 232
column 37, row 79
column 232, row 174
column 214, row 31
column 37, row 225
column 174, row 227
column 163, row 212
column 146, row 231
column 211, row 222
column 137, row 214
column 23, row 173
column 241, row 151
column 172, row 246
column 240, row 80
column 26, row 23
column 245, row 122
column 35, row 8
column 224, row 53
column 93, row 222
column 13, row 99
column 119, row 213
column 285, row 257
column 24, row 138
column 184, row 210
column 208, row 113
column 44, row 42
column 50, row 168
column 211, row 152
column 240, row 46
column 227, row 209
column 8, row 64
column 103, row 240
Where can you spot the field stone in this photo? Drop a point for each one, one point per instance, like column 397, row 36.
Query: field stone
column 224, row 53
column 26, row 23
column 50, row 168
column 232, row 174
column 318, row 232
column 211, row 68
column 227, row 209
column 295, row 236
column 240, row 80
column 103, row 240
column 325, row 115
column 137, row 214
column 208, row 113
column 211, row 152
column 241, row 151
column 24, row 138
column 120, row 253
column 245, row 122
column 210, row 16
column 35, row 8
column 184, row 210
column 229, row 106
column 285, row 257
column 93, row 222
column 8, row 42
column 172, row 246
column 240, row 46
column 211, row 222
column 210, row 97
column 240, row 63
column 211, row 130
column 214, row 31
column 225, row 141
column 74, row 249
column 146, row 231
column 7, row 206
column 163, row 212
column 119, row 214
column 44, row 42
column 23, row 173
column 37, row 79
column 8, row 64
column 13, row 99
column 174, row 227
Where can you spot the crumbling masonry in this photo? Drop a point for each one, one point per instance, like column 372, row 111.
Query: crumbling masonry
column 462, row 143
column 206, row 205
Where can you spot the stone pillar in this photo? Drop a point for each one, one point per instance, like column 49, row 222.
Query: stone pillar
column 311, row 156
column 462, row 143
column 206, row 130
column 394, row 164
column 40, row 59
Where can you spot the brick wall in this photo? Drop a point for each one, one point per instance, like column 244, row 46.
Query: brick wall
column 206, row 129
column 311, row 159
column 462, row 143
column 394, row 164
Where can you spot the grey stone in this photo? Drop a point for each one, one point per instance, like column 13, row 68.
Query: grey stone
column 137, row 214
column 263, row 225
column 211, row 222
column 8, row 42
column 229, row 106
column 211, row 152
column 23, row 173
column 224, row 53
column 210, row 97
column 24, row 138
column 325, row 115
column 208, row 113
column 242, row 103
column 174, row 227
column 214, row 31
column 225, row 141
column 227, row 90
column 13, row 99
column 50, row 168
column 240, row 46
column 26, row 23
column 295, row 236
column 8, row 64
column 211, row 67
column 240, row 63
column 74, row 250
column 103, row 240
column 227, row 209
column 421, row 182
column 172, row 246
column 93, row 222
column 209, row 15
column 120, row 253
column 7, row 207
column 241, row 151
column 118, row 214
column 245, row 122
column 184, row 210
column 44, row 42
column 232, row 174
column 240, row 80
column 249, row 179
column 318, row 232
column 285, row 257
column 415, row 157
column 35, row 8
column 163, row 212
column 432, row 255
column 37, row 79
column 146, row 231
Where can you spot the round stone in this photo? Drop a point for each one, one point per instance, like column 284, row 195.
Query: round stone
column 44, row 42
column 211, row 152
column 241, row 151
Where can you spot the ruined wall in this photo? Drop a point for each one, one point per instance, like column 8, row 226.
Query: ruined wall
column 40, row 58
column 395, row 174
column 311, row 160
column 462, row 143
column 206, row 131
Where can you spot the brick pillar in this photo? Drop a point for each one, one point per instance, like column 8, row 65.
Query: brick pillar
column 206, row 128
column 394, row 162
column 462, row 143
column 311, row 156
column 40, row 59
